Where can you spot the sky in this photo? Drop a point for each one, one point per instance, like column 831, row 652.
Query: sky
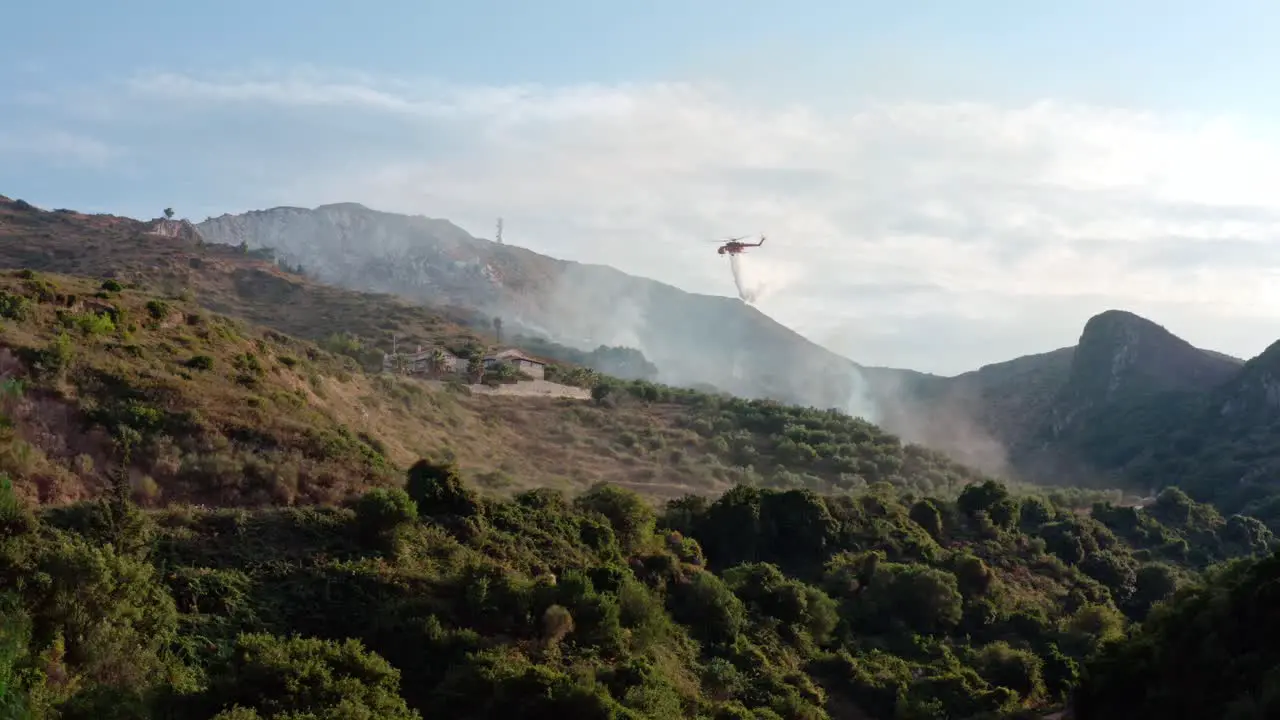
column 943, row 184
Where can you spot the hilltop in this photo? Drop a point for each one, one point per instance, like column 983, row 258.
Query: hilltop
column 173, row 259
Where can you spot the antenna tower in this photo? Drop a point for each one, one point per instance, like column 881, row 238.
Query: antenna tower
column 498, row 237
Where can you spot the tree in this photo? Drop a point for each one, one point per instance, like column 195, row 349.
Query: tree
column 15, row 634
column 437, row 362
column 1019, row 670
column 924, row 599
column 168, row 213
column 630, row 516
column 437, row 490
column 497, row 328
column 1152, row 584
column 981, row 497
column 382, row 514
column 925, row 513
column 304, row 677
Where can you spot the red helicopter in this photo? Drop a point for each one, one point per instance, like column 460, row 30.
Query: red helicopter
column 734, row 246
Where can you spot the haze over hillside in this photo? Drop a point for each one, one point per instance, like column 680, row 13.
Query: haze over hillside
column 1111, row 411
column 1027, row 417
column 693, row 339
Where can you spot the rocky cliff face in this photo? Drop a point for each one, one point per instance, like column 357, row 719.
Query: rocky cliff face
column 177, row 229
column 1122, row 358
column 691, row 338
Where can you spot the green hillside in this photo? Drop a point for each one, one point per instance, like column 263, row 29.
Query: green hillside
column 433, row 601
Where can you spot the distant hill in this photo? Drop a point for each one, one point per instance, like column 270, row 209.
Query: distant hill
column 1130, row 380
column 1130, row 405
column 1225, row 445
column 691, row 338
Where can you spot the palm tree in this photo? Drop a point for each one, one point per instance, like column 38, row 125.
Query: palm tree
column 497, row 328
column 437, row 362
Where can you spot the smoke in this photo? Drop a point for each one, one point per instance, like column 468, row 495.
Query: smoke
column 944, row 418
column 860, row 403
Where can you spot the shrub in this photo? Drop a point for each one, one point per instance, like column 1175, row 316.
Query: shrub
column 158, row 309
column 14, row 307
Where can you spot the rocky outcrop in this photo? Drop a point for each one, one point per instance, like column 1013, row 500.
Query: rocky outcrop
column 177, row 229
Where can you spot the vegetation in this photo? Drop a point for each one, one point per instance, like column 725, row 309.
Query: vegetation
column 201, row 517
column 427, row 600
column 211, row 410
column 1210, row 652
column 219, row 278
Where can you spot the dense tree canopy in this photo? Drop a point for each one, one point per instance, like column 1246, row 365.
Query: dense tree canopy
column 433, row 600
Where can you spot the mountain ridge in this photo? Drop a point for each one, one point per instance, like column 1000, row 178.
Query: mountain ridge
column 1043, row 415
column 1049, row 417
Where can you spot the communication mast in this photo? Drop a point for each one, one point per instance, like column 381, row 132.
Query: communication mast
column 498, row 237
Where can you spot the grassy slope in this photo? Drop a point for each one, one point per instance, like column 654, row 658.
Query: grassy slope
column 218, row 277
column 268, row 418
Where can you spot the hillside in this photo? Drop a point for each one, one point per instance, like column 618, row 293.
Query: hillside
column 1138, row 408
column 1091, row 414
column 1130, row 383
column 692, row 339
column 1184, row 671
column 431, row 601
column 170, row 258
column 224, row 412
column 1226, row 448
column 805, row 564
column 1095, row 413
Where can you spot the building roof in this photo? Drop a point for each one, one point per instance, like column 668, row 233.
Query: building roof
column 428, row 352
column 513, row 354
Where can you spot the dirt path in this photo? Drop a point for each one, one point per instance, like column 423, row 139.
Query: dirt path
column 528, row 388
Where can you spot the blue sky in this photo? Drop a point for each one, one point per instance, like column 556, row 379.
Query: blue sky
column 1150, row 51
column 1119, row 138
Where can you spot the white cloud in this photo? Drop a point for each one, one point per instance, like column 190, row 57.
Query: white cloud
column 1024, row 219
column 58, row 145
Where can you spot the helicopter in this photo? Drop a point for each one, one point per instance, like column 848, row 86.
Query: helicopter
column 735, row 246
